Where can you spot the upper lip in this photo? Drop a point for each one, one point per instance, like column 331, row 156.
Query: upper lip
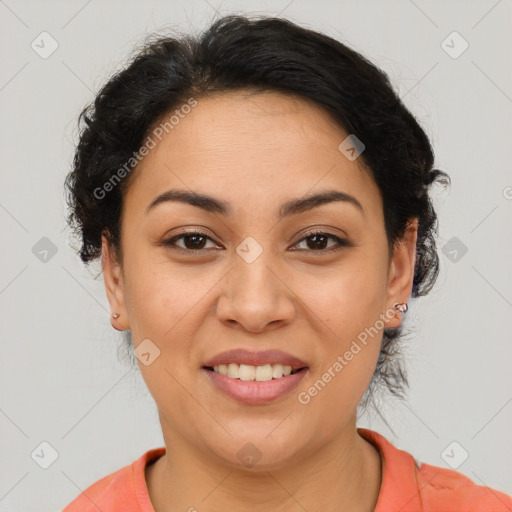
column 260, row 358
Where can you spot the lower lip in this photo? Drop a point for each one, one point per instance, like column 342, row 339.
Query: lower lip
column 254, row 392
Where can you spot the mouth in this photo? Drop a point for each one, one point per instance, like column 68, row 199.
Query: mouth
column 255, row 385
column 261, row 373
column 255, row 377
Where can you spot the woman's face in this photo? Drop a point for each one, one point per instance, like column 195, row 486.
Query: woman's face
column 258, row 280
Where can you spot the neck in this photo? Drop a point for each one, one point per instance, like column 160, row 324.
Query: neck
column 343, row 475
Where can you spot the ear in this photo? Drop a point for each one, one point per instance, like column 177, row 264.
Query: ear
column 401, row 272
column 114, row 285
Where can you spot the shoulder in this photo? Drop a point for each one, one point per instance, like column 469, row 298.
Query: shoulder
column 411, row 486
column 105, row 493
column 124, row 488
column 441, row 486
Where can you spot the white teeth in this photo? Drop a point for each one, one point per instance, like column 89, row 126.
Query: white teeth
column 277, row 370
column 233, row 370
column 263, row 373
column 248, row 372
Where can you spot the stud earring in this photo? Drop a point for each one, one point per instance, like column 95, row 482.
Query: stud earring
column 115, row 315
column 402, row 306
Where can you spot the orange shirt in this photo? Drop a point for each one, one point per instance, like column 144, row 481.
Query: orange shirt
column 406, row 487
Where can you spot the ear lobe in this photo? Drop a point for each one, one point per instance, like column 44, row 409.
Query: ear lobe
column 401, row 274
column 114, row 285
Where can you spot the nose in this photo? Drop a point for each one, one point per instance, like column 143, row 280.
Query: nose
column 255, row 296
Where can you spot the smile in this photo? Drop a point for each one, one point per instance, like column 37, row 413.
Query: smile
column 252, row 390
column 248, row 372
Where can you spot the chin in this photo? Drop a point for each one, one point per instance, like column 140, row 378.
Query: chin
column 258, row 453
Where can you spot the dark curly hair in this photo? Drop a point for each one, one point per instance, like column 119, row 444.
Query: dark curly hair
column 260, row 53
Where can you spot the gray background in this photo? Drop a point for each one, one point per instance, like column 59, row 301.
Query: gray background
column 62, row 380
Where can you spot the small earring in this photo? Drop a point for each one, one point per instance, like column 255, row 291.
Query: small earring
column 115, row 315
column 402, row 307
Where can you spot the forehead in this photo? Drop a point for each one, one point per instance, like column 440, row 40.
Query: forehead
column 251, row 148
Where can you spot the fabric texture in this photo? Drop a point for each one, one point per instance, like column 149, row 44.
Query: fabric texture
column 407, row 486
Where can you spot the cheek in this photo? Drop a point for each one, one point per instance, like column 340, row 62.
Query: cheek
column 161, row 293
column 348, row 301
column 168, row 304
column 164, row 305
column 347, row 348
column 347, row 297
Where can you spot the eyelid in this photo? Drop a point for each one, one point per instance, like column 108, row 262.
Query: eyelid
column 191, row 231
column 340, row 242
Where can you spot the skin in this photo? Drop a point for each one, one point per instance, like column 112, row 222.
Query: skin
column 256, row 151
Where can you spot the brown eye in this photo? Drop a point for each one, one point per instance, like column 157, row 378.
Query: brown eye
column 192, row 241
column 317, row 241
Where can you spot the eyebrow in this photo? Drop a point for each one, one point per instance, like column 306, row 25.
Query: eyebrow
column 291, row 207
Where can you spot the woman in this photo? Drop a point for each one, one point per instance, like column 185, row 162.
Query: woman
column 259, row 197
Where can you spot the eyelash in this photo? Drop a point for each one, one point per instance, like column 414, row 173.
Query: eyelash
column 342, row 243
